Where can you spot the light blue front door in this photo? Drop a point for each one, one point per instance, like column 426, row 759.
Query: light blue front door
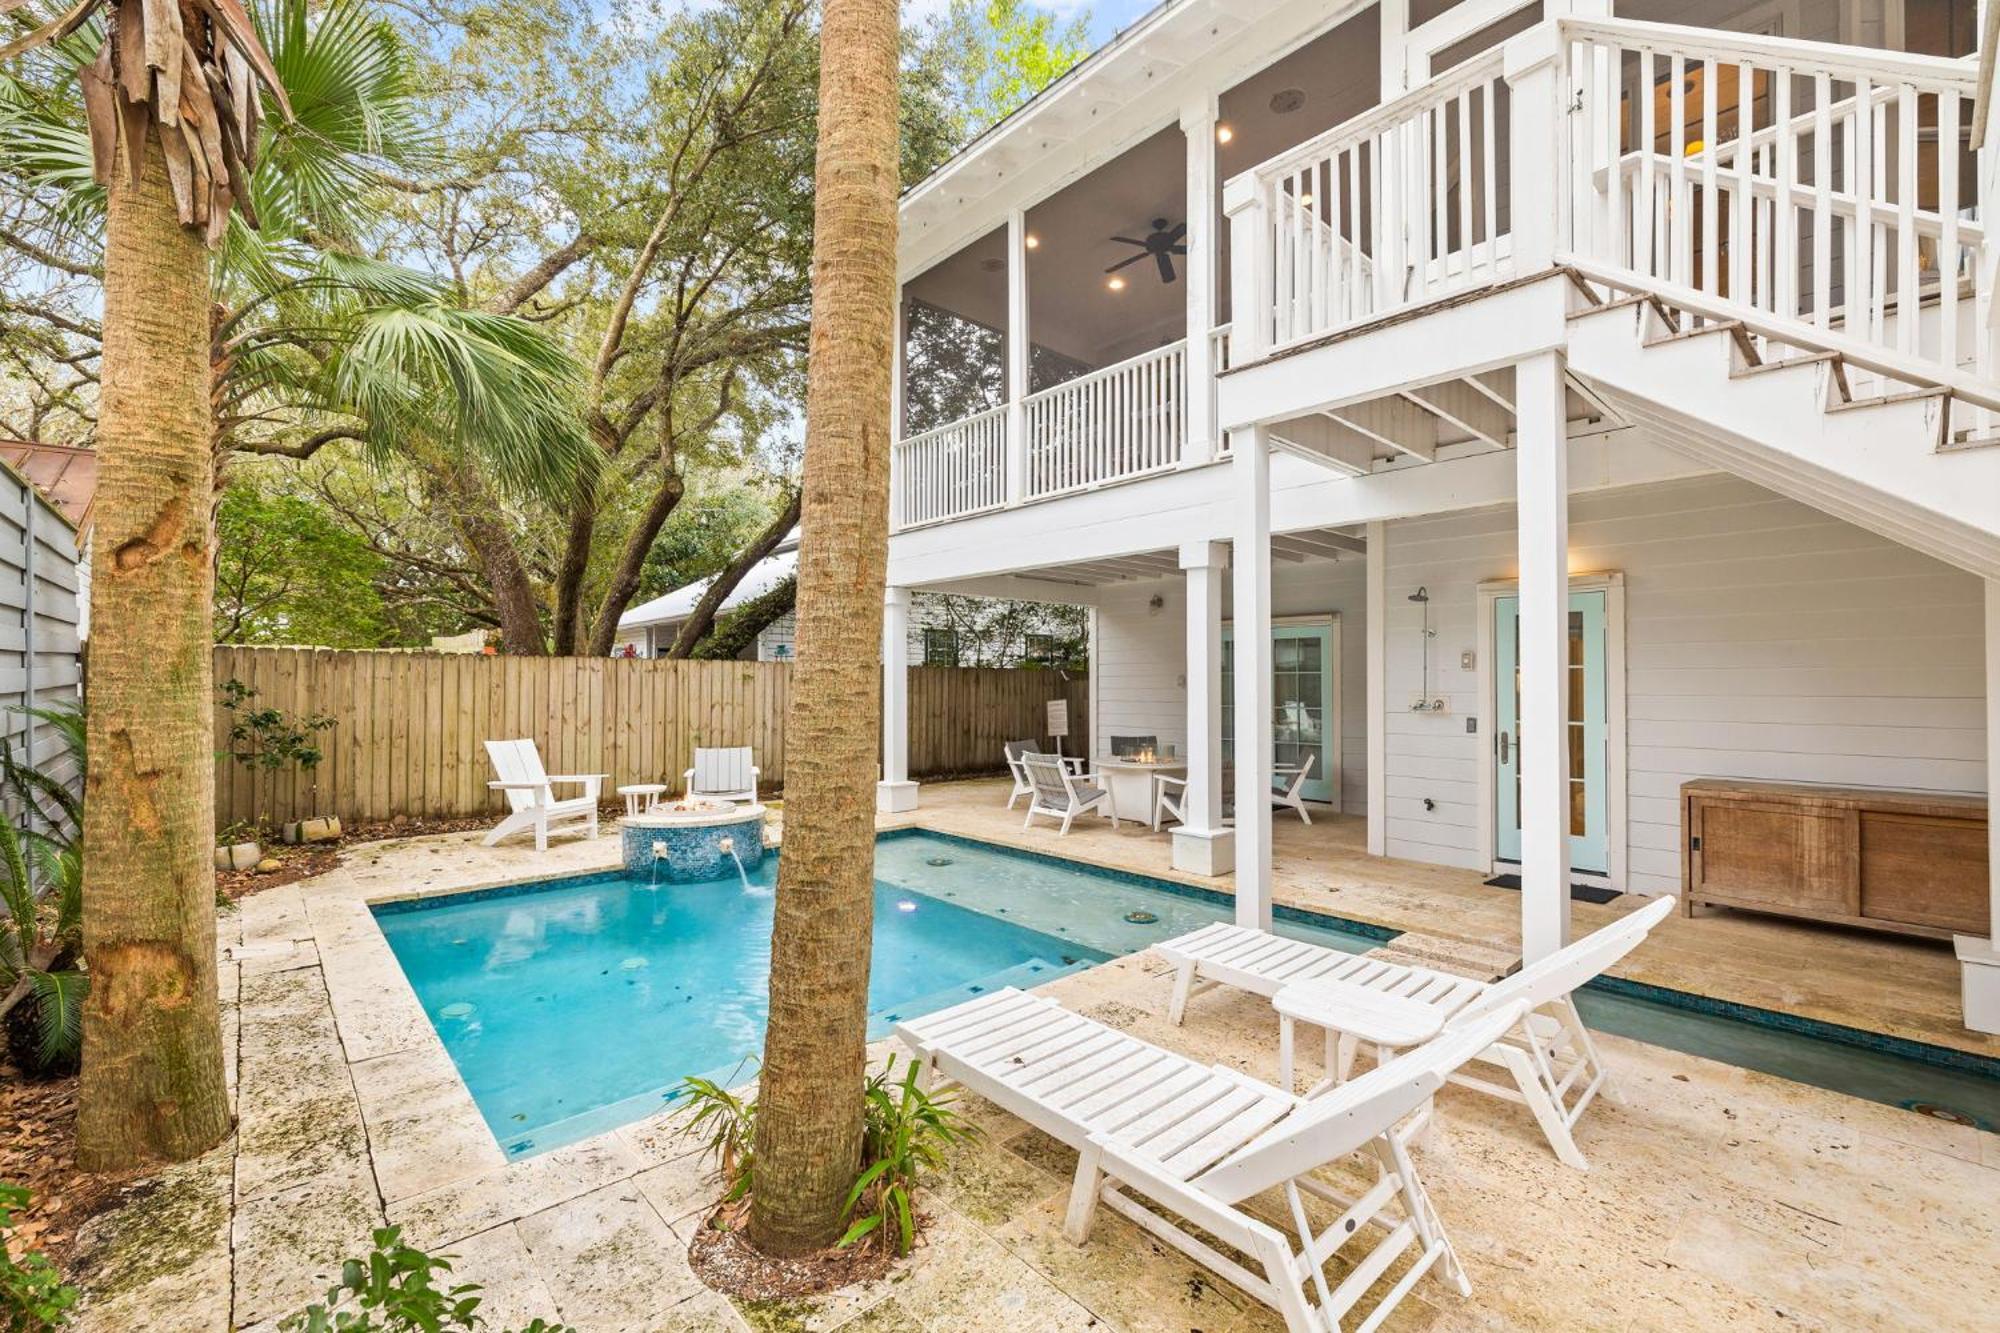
column 1302, row 669
column 1589, row 834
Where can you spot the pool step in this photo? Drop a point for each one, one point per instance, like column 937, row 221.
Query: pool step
column 1034, row 972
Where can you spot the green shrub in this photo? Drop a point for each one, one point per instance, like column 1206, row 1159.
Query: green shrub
column 33, row 1296
column 905, row 1135
column 394, row 1289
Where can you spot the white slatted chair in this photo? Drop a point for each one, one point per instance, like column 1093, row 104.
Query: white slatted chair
column 728, row 774
column 1554, row 1066
column 1288, row 796
column 1016, row 751
column 1062, row 794
column 1169, row 799
column 1196, row 1141
column 531, row 800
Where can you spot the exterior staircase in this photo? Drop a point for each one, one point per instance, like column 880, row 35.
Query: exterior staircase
column 1898, row 456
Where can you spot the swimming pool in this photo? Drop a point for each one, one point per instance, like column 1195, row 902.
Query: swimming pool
column 573, row 1006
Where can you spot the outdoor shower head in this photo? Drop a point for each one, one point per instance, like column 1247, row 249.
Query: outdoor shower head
column 1422, row 594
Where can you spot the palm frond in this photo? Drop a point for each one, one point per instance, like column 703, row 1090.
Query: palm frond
column 58, row 1012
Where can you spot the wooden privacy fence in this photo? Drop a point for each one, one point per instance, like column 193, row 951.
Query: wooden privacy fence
column 407, row 727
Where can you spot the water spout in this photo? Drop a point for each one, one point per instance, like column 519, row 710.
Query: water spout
column 659, row 855
column 729, row 845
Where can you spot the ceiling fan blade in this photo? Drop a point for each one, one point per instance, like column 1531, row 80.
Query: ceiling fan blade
column 1124, row 263
column 1177, row 232
column 1129, row 241
column 1166, row 268
column 1177, row 250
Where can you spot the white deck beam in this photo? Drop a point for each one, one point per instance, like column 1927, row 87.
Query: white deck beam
column 1203, row 194
column 1542, row 750
column 1251, row 559
column 1202, row 844
column 895, row 792
column 1018, row 343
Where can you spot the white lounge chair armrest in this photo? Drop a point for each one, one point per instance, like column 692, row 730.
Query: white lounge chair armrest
column 578, row 777
column 519, row 786
column 1151, row 1178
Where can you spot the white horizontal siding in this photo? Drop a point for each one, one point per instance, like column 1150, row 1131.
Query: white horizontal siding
column 1763, row 640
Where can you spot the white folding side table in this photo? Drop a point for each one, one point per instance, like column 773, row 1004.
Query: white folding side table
column 1352, row 1014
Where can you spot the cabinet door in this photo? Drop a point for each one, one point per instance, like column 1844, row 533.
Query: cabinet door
column 1924, row 870
column 1789, row 856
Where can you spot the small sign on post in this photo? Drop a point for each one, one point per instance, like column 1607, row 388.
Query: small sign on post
column 1058, row 721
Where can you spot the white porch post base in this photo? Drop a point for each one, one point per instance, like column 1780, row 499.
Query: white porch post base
column 1979, row 982
column 1205, row 851
column 895, row 798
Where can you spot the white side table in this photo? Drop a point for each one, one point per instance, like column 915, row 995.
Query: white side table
column 1351, row 1014
column 642, row 796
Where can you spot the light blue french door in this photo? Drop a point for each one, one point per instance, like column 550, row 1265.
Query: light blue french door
column 1301, row 701
column 1589, row 833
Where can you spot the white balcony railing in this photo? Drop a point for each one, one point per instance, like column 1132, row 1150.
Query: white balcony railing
column 1812, row 187
column 1398, row 206
column 1125, row 420
column 951, row 471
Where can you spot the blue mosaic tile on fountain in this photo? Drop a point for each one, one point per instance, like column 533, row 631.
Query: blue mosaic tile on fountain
column 693, row 852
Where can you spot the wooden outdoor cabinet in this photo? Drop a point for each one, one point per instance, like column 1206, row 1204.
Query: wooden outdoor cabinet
column 1909, row 862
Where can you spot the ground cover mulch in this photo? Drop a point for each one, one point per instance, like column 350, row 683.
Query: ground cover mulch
column 726, row 1262
column 38, row 1150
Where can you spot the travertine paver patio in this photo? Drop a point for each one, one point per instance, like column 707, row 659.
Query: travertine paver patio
column 1718, row 1197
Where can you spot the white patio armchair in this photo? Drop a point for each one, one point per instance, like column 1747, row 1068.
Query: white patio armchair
column 1289, row 795
column 1016, row 751
column 530, row 790
column 728, row 774
column 1062, row 794
column 1169, row 799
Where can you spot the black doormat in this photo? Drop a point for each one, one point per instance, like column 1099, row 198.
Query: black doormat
column 1582, row 893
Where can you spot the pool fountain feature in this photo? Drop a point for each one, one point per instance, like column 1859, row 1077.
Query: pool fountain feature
column 684, row 842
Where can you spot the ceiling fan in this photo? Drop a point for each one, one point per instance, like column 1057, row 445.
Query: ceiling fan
column 1162, row 244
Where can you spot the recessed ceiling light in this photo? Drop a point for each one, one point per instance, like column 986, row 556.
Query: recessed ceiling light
column 1287, row 100
column 1032, row 241
column 1115, row 283
column 1223, row 134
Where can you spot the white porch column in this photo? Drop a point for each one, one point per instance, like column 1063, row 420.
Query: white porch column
column 1202, row 845
column 1979, row 960
column 1198, row 124
column 1017, row 356
column 1251, row 560
column 1532, row 66
column 1542, row 532
column 1377, row 630
column 895, row 792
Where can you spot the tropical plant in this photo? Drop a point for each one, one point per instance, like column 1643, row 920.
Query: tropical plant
column 41, row 900
column 906, row 1136
column 33, row 1296
column 727, row 1126
column 394, row 1289
column 809, row 1124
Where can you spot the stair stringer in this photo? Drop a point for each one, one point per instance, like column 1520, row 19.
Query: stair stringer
column 1874, row 464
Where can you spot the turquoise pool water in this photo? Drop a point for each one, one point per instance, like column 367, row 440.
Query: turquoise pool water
column 574, row 1006
column 577, row 1005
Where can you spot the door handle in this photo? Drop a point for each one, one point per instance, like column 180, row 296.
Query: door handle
column 1502, row 738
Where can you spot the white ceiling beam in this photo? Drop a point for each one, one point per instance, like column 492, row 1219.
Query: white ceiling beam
column 1458, row 402
column 1396, row 422
column 1318, row 439
column 1497, row 385
column 1333, row 543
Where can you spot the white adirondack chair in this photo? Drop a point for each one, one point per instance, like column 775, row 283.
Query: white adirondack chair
column 1553, row 1064
column 1016, row 751
column 1169, row 799
column 1288, row 796
column 1177, row 1146
column 1060, row 793
column 723, row 775
column 531, row 800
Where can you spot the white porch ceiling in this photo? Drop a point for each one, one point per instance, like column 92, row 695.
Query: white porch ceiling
column 1311, row 544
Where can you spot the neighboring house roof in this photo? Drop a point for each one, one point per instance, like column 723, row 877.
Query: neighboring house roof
column 679, row 604
column 64, row 473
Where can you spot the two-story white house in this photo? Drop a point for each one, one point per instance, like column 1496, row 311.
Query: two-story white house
column 1519, row 411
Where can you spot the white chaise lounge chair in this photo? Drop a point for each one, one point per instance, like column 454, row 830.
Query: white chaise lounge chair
column 531, row 800
column 1555, row 1068
column 1062, row 794
column 723, row 775
column 1198, row 1140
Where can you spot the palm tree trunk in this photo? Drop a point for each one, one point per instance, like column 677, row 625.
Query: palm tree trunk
column 152, row 1042
column 809, row 1097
